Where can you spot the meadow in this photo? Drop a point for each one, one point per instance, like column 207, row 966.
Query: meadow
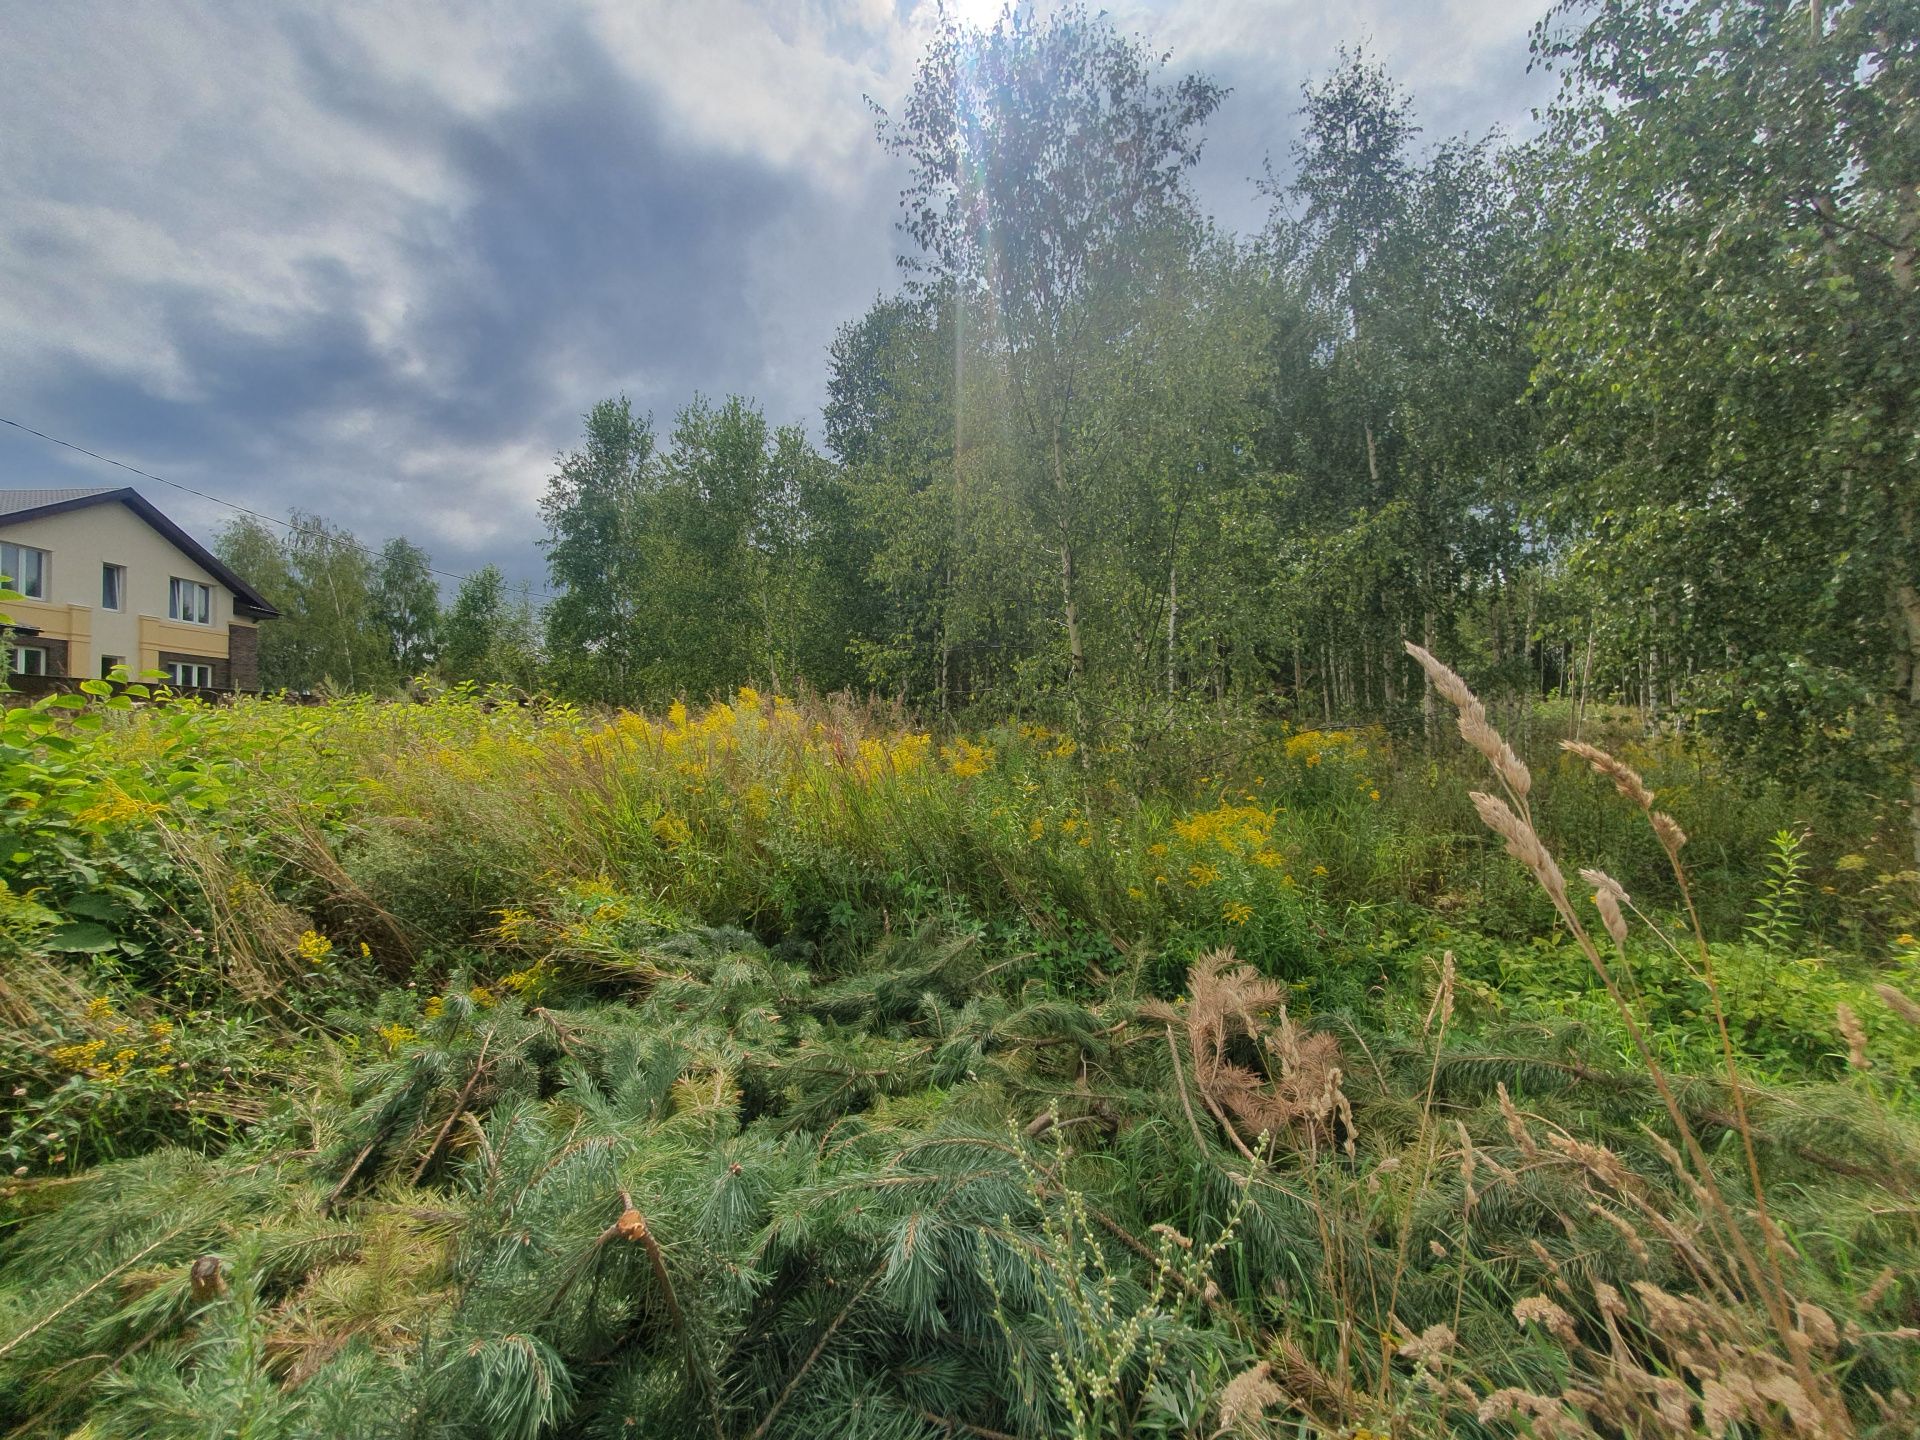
column 778, row 1068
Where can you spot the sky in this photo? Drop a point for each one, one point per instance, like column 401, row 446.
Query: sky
column 374, row 260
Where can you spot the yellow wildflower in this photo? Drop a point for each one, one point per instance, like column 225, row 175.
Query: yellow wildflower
column 313, row 947
column 75, row 1057
column 964, row 758
column 99, row 1008
column 1236, row 912
column 529, row 982
column 511, row 925
column 1201, row 875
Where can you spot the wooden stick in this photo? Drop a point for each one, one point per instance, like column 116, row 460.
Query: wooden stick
column 819, row 1345
column 459, row 1104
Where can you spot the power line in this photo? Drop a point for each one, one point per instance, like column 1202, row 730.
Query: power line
column 366, row 550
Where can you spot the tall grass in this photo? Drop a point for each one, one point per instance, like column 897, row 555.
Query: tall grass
column 776, row 1069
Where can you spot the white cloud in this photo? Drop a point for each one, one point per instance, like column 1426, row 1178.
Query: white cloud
column 778, row 79
column 192, row 195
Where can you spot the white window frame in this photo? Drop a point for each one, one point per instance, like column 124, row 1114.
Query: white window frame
column 181, row 594
column 17, row 661
column 189, row 675
column 10, row 562
column 119, row 574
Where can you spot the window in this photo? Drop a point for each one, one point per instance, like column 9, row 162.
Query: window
column 190, row 677
column 190, row 601
column 25, row 569
column 108, row 662
column 29, row 660
column 113, row 586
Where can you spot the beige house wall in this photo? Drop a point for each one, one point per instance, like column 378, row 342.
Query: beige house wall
column 80, row 542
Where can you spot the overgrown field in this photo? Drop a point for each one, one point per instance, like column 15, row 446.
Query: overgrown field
column 779, row 1070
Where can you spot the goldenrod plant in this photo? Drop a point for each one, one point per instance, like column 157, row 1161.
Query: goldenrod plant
column 777, row 1067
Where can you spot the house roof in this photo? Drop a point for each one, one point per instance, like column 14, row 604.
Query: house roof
column 13, row 501
column 32, row 504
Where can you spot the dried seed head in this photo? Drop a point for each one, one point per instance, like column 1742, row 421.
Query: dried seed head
column 1854, row 1035
column 1522, row 843
column 1539, row 1310
column 1877, row 1291
column 1607, row 899
column 1670, row 1316
column 1246, row 1395
column 1442, row 1007
column 1522, row 1137
column 1625, row 778
column 1432, row 1346
column 1817, row 1325
column 1635, row 1241
column 1475, row 728
column 1669, row 831
column 1596, row 1160
column 1451, row 687
column 1506, row 1403
column 1907, row 1009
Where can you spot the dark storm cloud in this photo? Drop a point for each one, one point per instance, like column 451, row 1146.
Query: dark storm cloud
column 375, row 261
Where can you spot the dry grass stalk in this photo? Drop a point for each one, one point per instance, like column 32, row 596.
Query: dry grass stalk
column 1854, row 1035
column 1475, row 729
column 1625, row 778
column 1442, row 1007
column 1608, row 897
column 255, row 937
column 1299, row 1096
column 1246, row 1397
column 1907, row 1009
column 1515, row 827
column 1522, row 843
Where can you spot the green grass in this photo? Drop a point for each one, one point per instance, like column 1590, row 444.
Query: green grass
column 778, row 1070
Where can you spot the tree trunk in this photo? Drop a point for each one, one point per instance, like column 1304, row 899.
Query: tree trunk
column 1076, row 650
column 1429, row 717
column 1173, row 624
column 1906, row 694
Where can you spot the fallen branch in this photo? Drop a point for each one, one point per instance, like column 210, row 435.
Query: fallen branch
column 459, row 1105
column 786, row 1391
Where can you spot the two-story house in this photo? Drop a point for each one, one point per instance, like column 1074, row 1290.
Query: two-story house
column 108, row 580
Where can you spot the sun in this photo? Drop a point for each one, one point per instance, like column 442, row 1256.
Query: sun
column 977, row 14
